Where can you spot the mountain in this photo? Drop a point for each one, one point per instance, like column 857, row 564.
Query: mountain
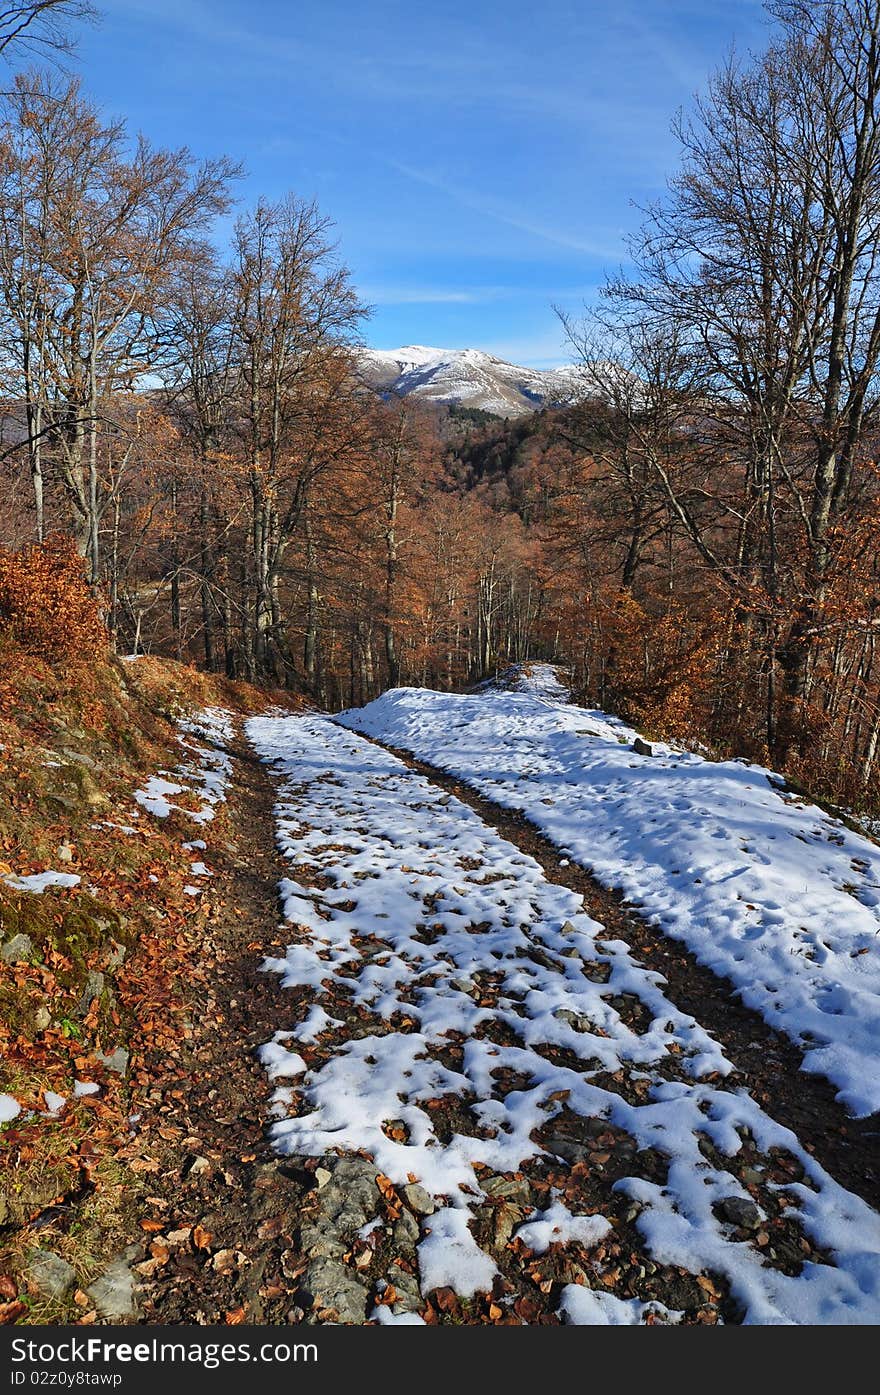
column 468, row 377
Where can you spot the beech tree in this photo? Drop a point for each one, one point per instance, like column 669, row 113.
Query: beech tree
column 758, row 272
column 91, row 234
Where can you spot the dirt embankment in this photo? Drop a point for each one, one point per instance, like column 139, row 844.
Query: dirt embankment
column 97, row 974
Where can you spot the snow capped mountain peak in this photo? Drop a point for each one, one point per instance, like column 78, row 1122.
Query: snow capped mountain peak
column 470, row 377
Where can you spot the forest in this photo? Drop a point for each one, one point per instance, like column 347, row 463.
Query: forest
column 696, row 539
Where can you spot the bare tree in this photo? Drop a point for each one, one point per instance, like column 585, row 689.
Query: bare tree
column 92, row 233
column 294, row 317
column 42, row 25
column 761, row 268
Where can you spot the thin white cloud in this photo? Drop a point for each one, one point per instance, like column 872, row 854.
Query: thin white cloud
column 416, row 295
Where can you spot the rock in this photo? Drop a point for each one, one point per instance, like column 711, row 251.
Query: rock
column 642, row 748
column 333, row 1288
column 116, row 1061
column 37, row 1190
column 351, row 1197
column 113, row 1293
column 405, row 1233
column 179, row 1236
column 576, row 1020
column 567, row 928
column 509, row 1189
column 419, row 1200
column 319, row 1243
column 50, row 1274
column 64, row 852
column 504, row 1221
column 17, row 950
column 42, row 1018
column 79, row 757
column 93, row 989
column 114, row 957
column 752, row 1177
column 322, row 1177
column 740, row 1211
column 409, row 1298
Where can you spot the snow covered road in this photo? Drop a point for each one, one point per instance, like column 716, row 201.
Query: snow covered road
column 765, row 888
column 550, row 1123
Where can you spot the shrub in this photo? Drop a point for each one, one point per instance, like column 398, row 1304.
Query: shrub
column 46, row 606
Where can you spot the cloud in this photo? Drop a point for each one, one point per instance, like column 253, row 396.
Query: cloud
column 417, row 295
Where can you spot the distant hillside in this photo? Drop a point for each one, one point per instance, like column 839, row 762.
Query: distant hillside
column 471, row 378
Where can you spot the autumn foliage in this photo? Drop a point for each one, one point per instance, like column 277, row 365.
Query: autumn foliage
column 46, row 607
column 697, row 541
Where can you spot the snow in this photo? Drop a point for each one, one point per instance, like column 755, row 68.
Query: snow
column 279, row 1062
column 9, row 1108
column 556, row 1225
column 154, row 796
column 765, row 888
column 85, row 1087
column 39, row 882
column 451, row 1258
column 589, row 1307
column 414, row 921
column 205, row 772
column 470, row 377
column 386, row 1318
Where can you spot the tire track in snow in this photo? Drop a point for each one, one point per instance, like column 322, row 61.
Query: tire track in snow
column 462, row 1021
column 769, row 1064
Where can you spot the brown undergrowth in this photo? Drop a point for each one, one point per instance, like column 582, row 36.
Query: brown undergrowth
column 96, row 979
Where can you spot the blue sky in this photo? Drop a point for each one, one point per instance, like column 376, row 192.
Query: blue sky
column 480, row 158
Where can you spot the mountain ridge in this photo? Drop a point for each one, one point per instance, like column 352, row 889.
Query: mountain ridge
column 470, row 378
